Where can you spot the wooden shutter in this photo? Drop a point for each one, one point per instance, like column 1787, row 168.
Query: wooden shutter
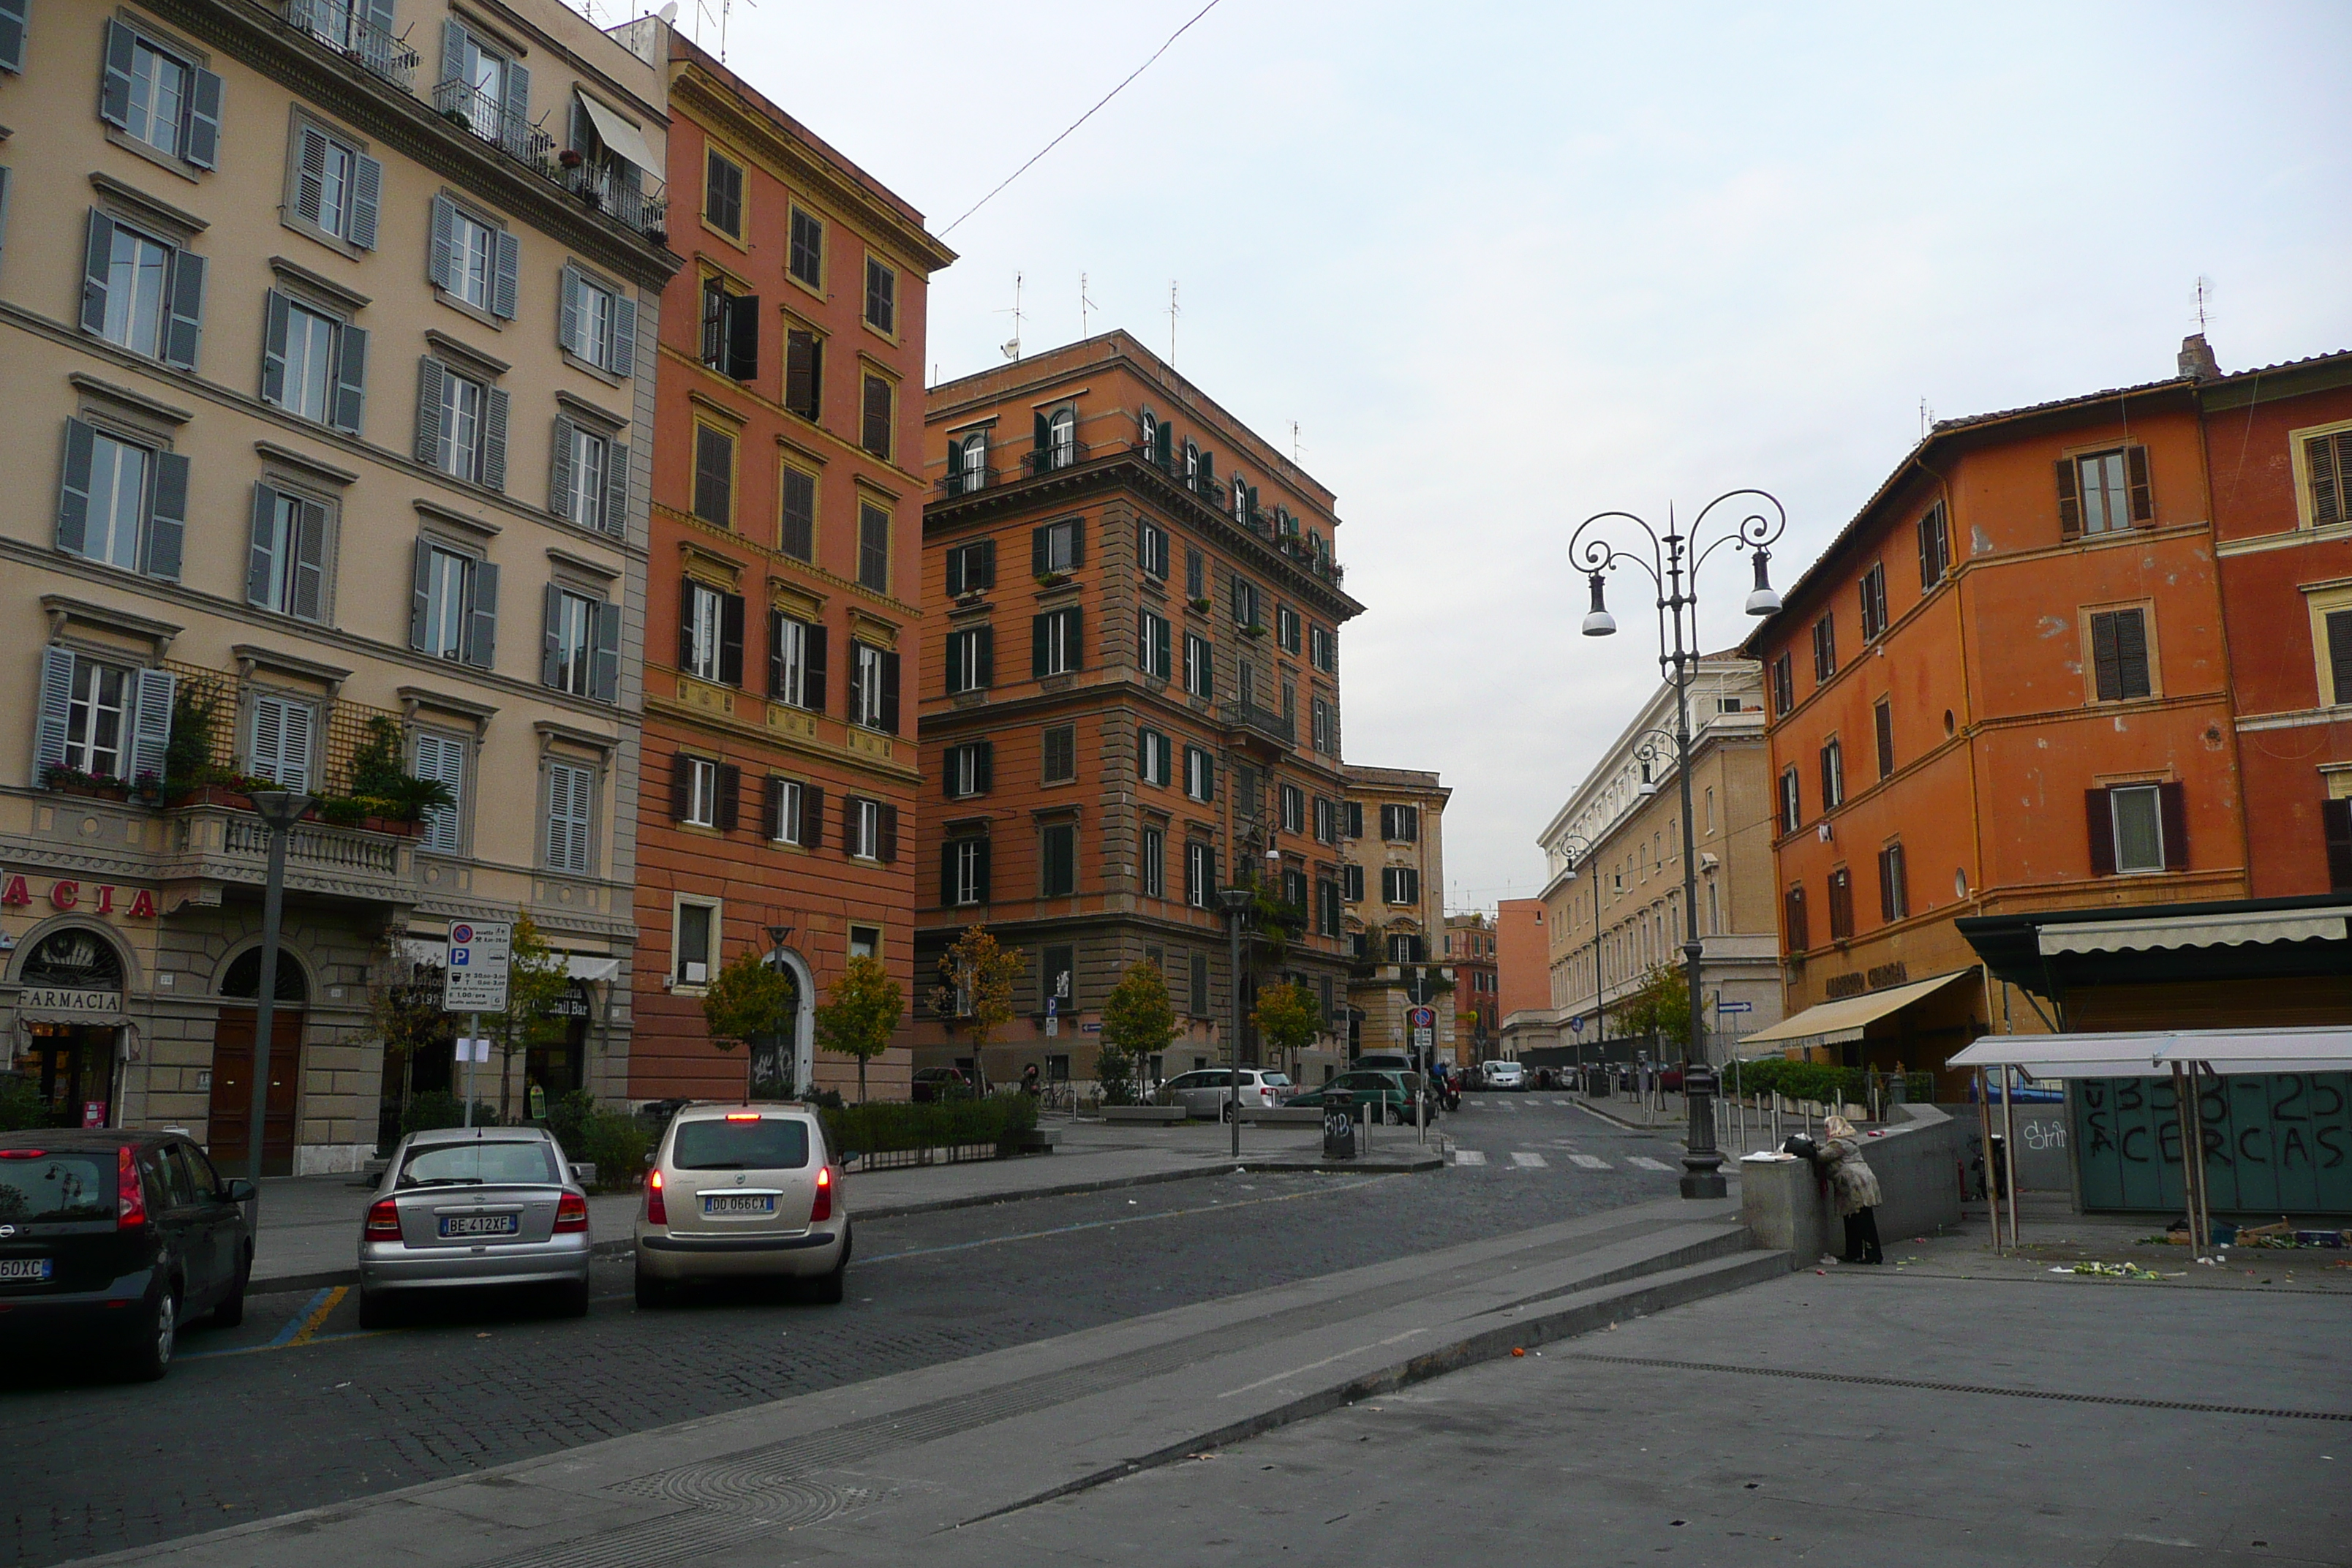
column 311, row 561
column 1073, row 637
column 2099, row 815
column 1077, row 527
column 812, row 824
column 980, row 566
column 186, row 328
column 604, row 672
column 1792, row 910
column 2336, row 821
column 2172, row 802
column 983, row 671
column 481, row 637
column 981, row 868
column 12, row 34
column 958, row 662
column 681, row 786
column 420, row 601
column 56, row 706
column 98, row 262
column 203, row 139
column 367, row 200
column 441, row 259
column 2143, row 498
column 731, row 797
column 856, row 711
column 687, row 591
column 771, row 809
column 803, row 359
column 1040, row 638
column 261, row 546
column 348, row 408
column 277, row 313
column 889, row 834
column 114, row 87
column 1886, row 890
column 813, row 669
column 776, row 653
column 567, row 314
column 2320, row 454
column 744, row 336
column 431, row 380
column 150, row 725
column 875, row 436
column 2070, row 500
column 507, row 265
column 730, row 639
column 949, row 850
column 550, row 637
column 1884, row 718
column 167, row 515
column 890, row 692
column 2131, row 653
column 798, row 532
column 1041, row 554
column 561, row 477
column 2340, row 656
column 494, row 438
column 2106, row 671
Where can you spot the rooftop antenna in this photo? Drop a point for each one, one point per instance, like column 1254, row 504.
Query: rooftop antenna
column 1174, row 311
column 726, row 11
column 1926, row 419
column 1294, row 448
column 1012, row 349
column 1085, row 305
column 2204, row 298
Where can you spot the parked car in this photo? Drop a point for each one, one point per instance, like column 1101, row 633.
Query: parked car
column 939, row 1083
column 1504, row 1074
column 124, row 1236
column 1208, row 1093
column 742, row 1191
column 1671, row 1079
column 464, row 1208
column 1392, row 1093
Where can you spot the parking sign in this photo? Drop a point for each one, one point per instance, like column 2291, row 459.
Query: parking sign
column 475, row 980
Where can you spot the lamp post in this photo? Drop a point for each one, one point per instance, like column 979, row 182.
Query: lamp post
column 1236, row 902
column 776, row 938
column 1573, row 845
column 1672, row 562
column 281, row 810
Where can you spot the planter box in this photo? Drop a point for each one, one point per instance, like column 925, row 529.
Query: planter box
column 1161, row 1113
column 1307, row 1115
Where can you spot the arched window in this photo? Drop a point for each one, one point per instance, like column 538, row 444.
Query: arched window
column 242, row 978
column 75, row 960
column 1065, row 431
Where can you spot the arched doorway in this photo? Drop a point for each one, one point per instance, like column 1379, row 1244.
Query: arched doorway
column 783, row 1065
column 229, row 1135
column 68, row 977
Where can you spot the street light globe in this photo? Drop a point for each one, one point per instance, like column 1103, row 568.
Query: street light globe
column 1598, row 621
column 1761, row 599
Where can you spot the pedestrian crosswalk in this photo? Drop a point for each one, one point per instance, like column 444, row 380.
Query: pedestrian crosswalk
column 1591, row 1162
column 1527, row 1158
column 1469, row 1157
column 1531, row 1160
column 1647, row 1164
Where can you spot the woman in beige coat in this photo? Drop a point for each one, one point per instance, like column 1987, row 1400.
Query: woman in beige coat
column 1855, row 1186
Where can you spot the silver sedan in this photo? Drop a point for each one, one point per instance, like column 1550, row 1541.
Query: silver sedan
column 474, row 1206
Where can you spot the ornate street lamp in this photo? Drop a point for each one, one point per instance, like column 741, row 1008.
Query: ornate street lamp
column 1672, row 562
column 281, row 810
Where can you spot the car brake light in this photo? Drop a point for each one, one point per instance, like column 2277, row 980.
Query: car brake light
column 657, row 1212
column 382, row 1220
column 742, row 1116
column 571, row 1213
column 129, row 1192
column 822, row 1207
column 23, row 1153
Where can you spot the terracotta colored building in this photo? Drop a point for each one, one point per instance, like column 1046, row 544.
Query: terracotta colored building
column 1130, row 694
column 1522, row 957
column 2279, row 444
column 2004, row 686
column 1477, row 1012
column 782, row 646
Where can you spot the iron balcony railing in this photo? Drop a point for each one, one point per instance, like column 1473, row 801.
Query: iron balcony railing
column 339, row 25
column 604, row 185
column 964, row 481
column 463, row 104
column 1060, row 454
column 1260, row 720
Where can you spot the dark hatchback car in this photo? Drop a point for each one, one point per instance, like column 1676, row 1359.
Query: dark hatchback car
column 122, row 1236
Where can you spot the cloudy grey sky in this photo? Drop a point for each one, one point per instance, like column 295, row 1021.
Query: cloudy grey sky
column 1510, row 265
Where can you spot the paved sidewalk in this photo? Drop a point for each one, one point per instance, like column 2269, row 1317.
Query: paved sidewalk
column 308, row 1236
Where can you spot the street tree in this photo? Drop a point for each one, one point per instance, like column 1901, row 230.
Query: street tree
column 536, row 978
column 860, row 1014
column 1137, row 1020
column 1661, row 1006
column 1288, row 1017
column 748, row 999
column 975, row 989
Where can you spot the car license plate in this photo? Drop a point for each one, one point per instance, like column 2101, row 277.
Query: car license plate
column 740, row 1202
column 26, row 1271
column 481, row 1224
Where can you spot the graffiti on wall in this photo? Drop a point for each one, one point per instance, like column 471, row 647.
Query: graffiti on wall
column 2273, row 1143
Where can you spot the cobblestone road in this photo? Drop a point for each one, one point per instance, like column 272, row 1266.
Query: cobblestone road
column 269, row 1417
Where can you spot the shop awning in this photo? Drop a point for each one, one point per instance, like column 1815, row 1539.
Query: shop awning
column 1835, row 1023
column 621, row 138
column 2233, row 929
column 2142, row 1053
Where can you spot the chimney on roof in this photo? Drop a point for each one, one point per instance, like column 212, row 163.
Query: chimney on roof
column 2197, row 358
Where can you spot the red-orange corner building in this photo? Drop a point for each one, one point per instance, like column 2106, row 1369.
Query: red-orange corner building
column 775, row 811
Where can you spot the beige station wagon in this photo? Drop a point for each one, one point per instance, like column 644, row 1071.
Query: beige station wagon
column 742, row 1191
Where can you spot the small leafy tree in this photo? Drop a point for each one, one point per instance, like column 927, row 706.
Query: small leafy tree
column 1138, row 1019
column 405, row 1012
column 975, row 989
column 1288, row 1017
column 860, row 1014
column 748, row 999
column 536, row 977
column 1661, row 1005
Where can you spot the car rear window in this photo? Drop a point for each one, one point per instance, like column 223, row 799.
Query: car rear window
column 770, row 1144
column 1276, row 1079
column 487, row 1163
column 59, row 1185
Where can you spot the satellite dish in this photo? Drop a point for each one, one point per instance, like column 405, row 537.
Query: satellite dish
column 668, row 12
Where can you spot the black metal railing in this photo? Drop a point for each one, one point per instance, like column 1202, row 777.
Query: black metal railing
column 463, row 104
column 964, row 481
column 606, row 187
column 1057, row 455
column 339, row 25
column 1264, row 721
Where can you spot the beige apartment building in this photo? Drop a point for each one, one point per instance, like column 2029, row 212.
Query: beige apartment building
column 1621, row 833
column 1392, row 892
column 329, row 327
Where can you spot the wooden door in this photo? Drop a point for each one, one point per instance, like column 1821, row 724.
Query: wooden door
column 228, row 1137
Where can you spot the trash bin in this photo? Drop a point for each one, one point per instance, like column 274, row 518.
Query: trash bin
column 1340, row 1124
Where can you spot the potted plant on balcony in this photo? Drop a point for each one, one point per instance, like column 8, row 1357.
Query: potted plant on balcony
column 1052, row 579
column 63, row 780
column 1201, row 604
column 570, row 158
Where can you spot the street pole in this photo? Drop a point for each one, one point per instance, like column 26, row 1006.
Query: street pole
column 473, row 1049
column 1236, row 901
column 281, row 810
column 1673, row 562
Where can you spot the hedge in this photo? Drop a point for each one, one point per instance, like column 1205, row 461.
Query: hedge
column 1817, row 1081
column 880, row 1129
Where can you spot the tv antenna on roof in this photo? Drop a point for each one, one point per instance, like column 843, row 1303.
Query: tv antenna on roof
column 1294, row 448
column 1174, row 311
column 2204, row 298
column 1012, row 349
column 1085, row 305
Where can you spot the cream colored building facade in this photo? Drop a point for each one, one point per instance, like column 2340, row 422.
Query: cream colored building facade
column 1393, row 894
column 330, row 356
column 1623, row 829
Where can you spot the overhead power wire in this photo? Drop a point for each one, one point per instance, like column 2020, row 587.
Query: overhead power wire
column 1082, row 118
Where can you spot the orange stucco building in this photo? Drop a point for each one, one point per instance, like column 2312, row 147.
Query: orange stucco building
column 2004, row 686
column 782, row 646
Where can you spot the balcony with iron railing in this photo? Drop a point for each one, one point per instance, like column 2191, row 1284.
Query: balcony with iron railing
column 1066, row 454
column 339, row 25
column 466, row 106
column 966, row 479
column 1253, row 721
column 604, row 184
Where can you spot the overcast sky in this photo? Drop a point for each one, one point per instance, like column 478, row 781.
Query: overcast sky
column 1506, row 266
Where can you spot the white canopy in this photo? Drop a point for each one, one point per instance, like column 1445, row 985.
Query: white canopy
column 2231, row 929
column 1835, row 1023
column 624, row 139
column 2139, row 1053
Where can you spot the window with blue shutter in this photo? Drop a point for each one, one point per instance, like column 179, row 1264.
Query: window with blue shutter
column 279, row 747
column 442, row 758
column 570, row 817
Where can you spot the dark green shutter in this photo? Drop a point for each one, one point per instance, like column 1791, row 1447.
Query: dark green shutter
column 167, row 518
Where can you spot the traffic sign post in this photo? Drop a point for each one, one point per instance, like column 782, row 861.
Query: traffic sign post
column 481, row 957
